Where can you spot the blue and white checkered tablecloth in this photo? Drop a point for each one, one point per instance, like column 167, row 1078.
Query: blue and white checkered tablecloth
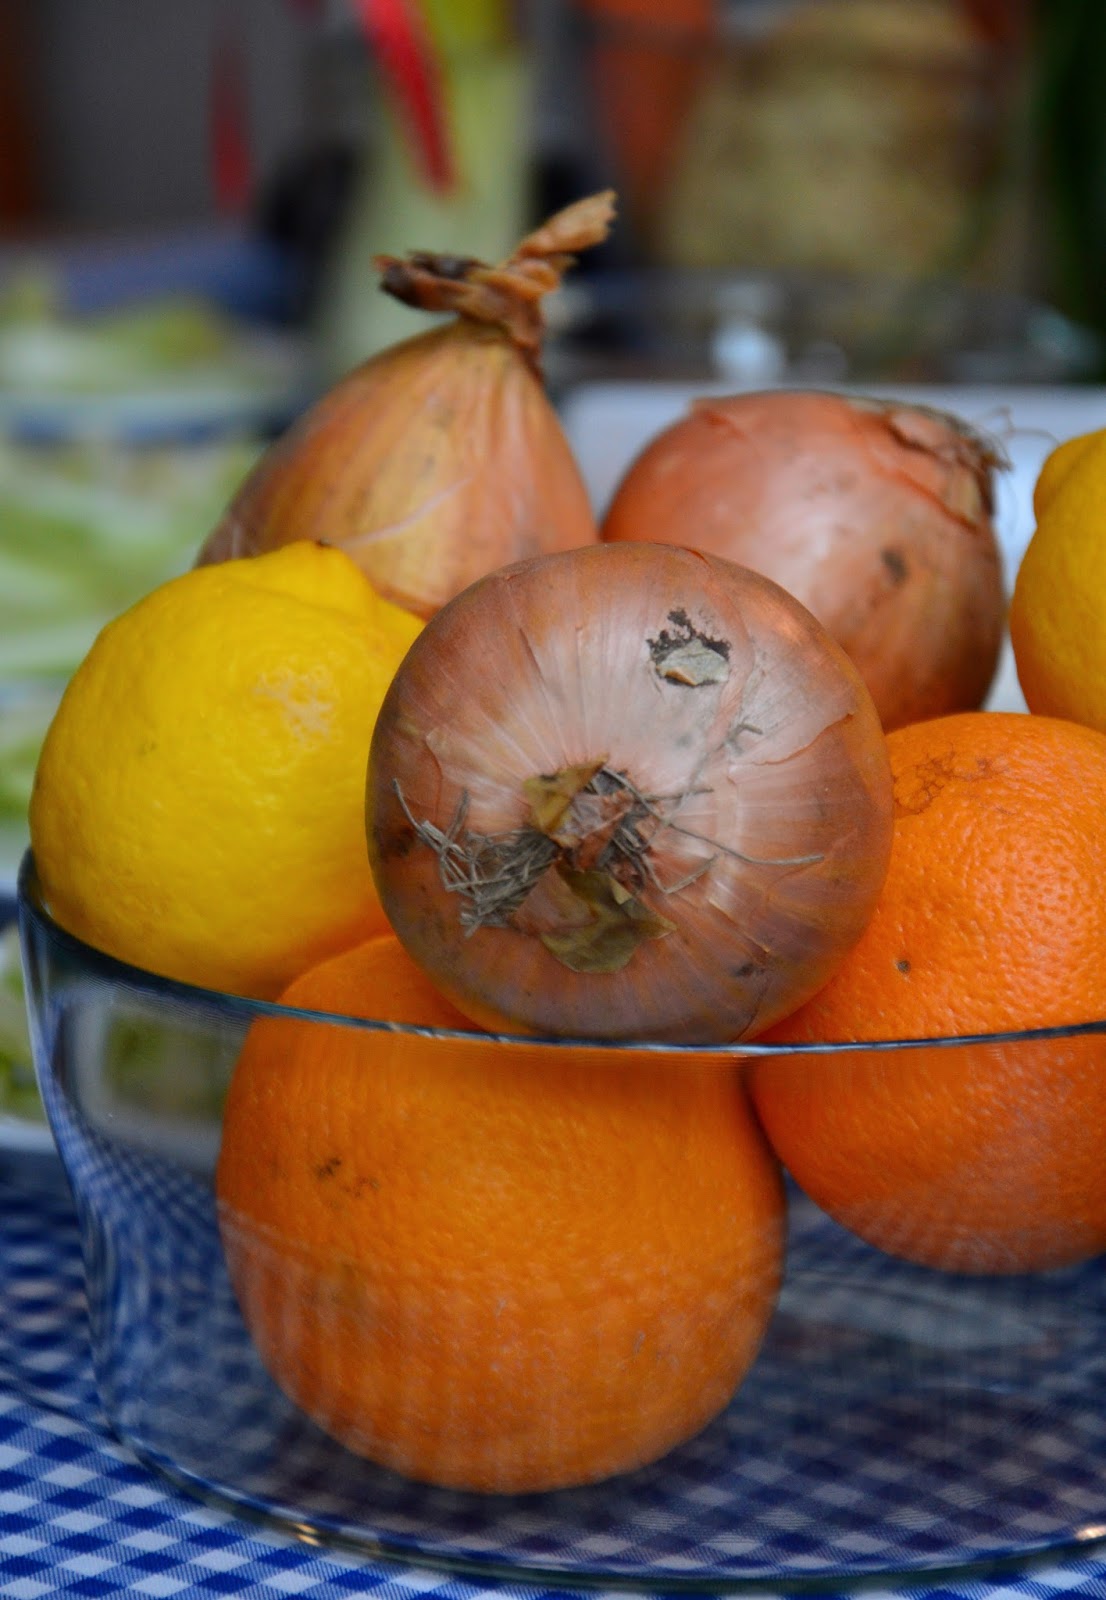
column 80, row 1516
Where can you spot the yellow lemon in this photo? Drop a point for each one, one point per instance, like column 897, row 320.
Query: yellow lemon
column 198, row 806
column 1058, row 464
column 1058, row 608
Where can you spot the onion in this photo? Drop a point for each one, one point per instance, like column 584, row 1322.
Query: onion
column 441, row 458
column 877, row 515
column 628, row 792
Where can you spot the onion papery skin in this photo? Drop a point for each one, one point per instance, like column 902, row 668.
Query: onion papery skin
column 431, row 464
column 877, row 515
column 700, row 696
column 442, row 457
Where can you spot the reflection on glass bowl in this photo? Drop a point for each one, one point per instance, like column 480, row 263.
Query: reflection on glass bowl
column 897, row 1420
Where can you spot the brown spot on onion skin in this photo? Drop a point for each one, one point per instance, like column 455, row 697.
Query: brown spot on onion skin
column 685, row 655
column 897, row 566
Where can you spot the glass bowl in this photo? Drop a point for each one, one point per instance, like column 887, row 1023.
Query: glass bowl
column 898, row 1421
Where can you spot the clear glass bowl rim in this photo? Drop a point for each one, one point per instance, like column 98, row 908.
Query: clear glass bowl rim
column 33, row 911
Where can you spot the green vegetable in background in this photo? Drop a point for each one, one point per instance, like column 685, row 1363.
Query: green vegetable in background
column 178, row 339
column 86, row 530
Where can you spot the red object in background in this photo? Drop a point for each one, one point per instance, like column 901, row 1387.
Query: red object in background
column 399, row 41
column 1003, row 22
column 19, row 193
column 232, row 166
column 648, row 59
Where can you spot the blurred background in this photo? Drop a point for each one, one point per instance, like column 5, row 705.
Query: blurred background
column 906, row 194
column 918, row 182
column 895, row 192
column 810, row 191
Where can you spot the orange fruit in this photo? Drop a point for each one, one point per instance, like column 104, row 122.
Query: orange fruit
column 980, row 1157
column 492, row 1265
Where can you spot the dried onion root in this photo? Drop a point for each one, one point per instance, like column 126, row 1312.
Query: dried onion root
column 628, row 792
column 441, row 458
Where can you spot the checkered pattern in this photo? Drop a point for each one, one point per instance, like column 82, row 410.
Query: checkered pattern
column 79, row 1514
column 895, row 1422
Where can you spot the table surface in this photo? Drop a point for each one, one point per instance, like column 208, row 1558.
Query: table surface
column 80, row 1515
